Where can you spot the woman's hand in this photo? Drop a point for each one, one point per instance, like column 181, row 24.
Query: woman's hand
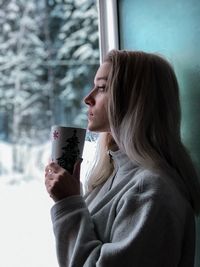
column 60, row 183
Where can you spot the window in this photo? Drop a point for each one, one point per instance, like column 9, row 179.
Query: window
column 49, row 50
column 108, row 21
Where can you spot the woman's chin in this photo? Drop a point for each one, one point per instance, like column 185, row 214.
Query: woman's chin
column 97, row 128
column 91, row 127
column 94, row 128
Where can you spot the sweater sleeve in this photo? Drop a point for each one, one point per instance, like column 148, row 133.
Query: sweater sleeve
column 144, row 233
column 76, row 242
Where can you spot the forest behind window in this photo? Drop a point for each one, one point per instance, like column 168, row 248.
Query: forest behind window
column 49, row 53
column 48, row 56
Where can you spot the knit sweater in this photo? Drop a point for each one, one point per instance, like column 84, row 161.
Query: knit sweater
column 137, row 218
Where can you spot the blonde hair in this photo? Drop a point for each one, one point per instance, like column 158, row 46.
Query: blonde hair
column 144, row 115
column 103, row 165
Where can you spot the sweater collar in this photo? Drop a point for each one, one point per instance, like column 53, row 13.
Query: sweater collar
column 121, row 161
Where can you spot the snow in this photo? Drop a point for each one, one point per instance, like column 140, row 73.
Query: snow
column 26, row 230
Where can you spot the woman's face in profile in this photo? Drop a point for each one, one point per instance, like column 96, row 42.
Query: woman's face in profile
column 97, row 101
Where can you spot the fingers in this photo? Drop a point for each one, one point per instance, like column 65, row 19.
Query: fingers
column 50, row 175
column 52, row 167
column 49, row 178
column 60, row 183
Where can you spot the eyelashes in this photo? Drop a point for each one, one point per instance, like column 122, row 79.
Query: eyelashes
column 101, row 88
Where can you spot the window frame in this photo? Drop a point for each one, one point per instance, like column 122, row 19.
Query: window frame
column 108, row 26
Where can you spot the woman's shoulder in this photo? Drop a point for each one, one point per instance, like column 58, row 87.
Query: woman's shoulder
column 156, row 181
column 160, row 189
column 158, row 184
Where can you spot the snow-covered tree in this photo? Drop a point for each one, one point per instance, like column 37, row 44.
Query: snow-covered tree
column 48, row 56
column 22, row 73
column 48, row 53
column 77, row 49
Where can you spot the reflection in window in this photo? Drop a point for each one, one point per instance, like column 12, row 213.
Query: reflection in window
column 48, row 53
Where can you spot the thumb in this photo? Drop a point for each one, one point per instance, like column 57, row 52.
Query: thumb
column 77, row 169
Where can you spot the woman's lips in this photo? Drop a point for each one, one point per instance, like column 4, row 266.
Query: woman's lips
column 90, row 115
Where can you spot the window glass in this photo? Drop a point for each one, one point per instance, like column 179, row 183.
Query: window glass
column 49, row 54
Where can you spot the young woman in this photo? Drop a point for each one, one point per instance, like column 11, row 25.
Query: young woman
column 143, row 191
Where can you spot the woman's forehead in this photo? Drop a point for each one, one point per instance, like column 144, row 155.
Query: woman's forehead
column 102, row 72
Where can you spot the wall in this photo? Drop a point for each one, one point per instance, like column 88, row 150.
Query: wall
column 171, row 28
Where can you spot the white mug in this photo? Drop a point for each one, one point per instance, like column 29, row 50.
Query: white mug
column 67, row 145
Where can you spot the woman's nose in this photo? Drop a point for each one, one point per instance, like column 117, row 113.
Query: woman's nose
column 89, row 100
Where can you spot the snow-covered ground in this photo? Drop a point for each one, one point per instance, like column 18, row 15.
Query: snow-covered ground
column 26, row 236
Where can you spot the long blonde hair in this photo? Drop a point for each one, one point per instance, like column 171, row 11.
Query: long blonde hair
column 102, row 166
column 144, row 115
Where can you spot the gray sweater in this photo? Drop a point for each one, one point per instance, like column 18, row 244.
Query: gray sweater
column 137, row 218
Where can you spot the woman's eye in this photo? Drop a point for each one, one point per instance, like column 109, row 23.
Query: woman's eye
column 101, row 88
